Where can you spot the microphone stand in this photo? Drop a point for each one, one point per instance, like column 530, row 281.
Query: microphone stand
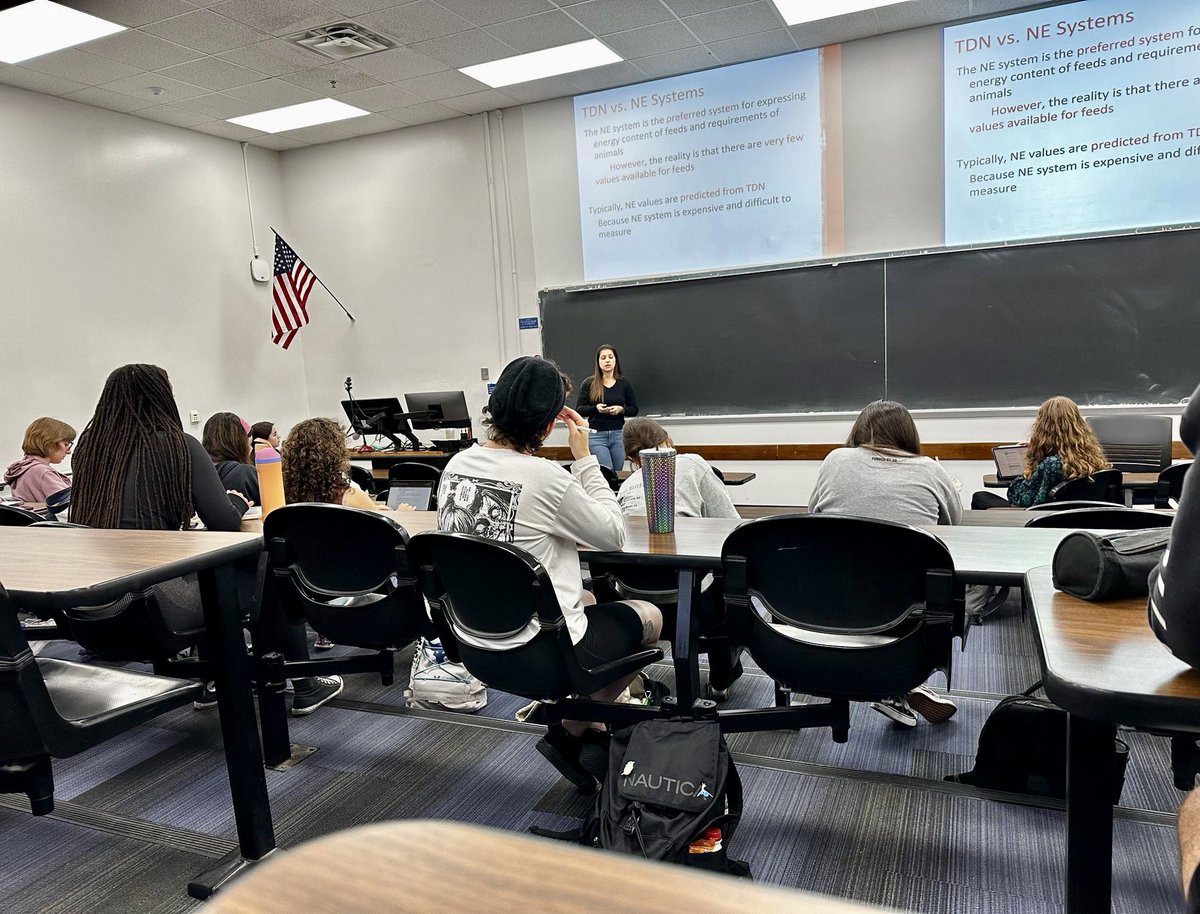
column 356, row 421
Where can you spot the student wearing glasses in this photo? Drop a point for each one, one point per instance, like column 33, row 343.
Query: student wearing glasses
column 34, row 477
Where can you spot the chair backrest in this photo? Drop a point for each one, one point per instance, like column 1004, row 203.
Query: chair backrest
column 1111, row 517
column 1135, row 444
column 22, row 689
column 345, row 571
column 1170, row 484
column 363, row 478
column 413, row 469
column 12, row 516
column 611, row 477
column 1103, row 485
column 1069, row 505
column 484, row 592
column 835, row 572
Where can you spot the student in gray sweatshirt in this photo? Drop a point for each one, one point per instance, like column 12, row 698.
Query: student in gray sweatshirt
column 880, row 473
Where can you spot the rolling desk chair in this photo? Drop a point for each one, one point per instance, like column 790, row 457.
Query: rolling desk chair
column 1134, row 444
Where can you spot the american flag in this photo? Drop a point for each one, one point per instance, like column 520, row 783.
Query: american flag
column 293, row 281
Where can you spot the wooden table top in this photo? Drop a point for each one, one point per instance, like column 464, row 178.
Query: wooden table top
column 57, row 567
column 730, row 478
column 1102, row 661
column 1018, row 517
column 415, row 866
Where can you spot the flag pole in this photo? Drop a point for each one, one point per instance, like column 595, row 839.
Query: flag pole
column 318, row 279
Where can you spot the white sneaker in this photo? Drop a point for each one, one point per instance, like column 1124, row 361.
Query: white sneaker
column 933, row 706
column 896, row 709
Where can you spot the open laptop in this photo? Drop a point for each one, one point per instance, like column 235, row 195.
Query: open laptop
column 1010, row 461
column 416, row 492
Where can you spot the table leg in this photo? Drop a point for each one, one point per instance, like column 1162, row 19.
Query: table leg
column 1089, row 816
column 239, row 729
column 683, row 648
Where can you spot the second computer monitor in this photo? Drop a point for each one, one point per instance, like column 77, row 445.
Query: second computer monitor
column 446, row 408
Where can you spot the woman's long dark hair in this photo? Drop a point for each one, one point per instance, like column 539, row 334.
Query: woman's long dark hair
column 135, row 429
column 225, row 439
column 595, row 384
column 885, row 425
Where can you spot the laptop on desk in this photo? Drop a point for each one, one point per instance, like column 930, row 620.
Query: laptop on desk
column 1010, row 461
column 417, row 492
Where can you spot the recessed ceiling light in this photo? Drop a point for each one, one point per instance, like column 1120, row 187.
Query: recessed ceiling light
column 567, row 58
column 293, row 117
column 795, row 12
column 37, row 28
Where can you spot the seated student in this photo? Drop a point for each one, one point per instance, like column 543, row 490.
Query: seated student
column 33, row 477
column 1061, row 446
column 264, row 433
column 698, row 491
column 227, row 443
column 880, row 473
column 500, row 490
column 1189, row 849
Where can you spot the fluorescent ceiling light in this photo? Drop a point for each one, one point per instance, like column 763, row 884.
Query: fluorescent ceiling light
column 795, row 12
column 568, row 58
column 37, row 28
column 293, row 117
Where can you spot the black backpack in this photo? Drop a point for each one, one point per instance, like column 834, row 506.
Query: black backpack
column 668, row 782
column 1023, row 749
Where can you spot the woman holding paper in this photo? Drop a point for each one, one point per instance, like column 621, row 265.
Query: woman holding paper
column 606, row 400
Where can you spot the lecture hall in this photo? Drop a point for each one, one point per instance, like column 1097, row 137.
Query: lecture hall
column 862, row 332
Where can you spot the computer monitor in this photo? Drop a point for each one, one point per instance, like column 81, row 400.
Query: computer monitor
column 381, row 416
column 445, row 409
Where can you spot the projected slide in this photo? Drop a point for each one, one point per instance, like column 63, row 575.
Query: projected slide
column 703, row 171
column 1072, row 119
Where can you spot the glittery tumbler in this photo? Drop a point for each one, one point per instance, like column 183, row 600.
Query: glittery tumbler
column 658, row 478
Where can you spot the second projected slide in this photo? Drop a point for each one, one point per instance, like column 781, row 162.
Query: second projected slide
column 704, row 171
column 1073, row 119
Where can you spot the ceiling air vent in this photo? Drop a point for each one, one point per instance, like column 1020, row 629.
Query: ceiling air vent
column 342, row 40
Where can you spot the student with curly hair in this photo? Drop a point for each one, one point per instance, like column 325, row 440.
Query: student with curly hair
column 316, row 468
column 34, row 477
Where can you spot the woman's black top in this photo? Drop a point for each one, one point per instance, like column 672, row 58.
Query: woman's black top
column 241, row 477
column 217, row 510
column 620, row 394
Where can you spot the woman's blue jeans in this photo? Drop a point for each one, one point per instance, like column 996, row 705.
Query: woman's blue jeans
column 608, row 448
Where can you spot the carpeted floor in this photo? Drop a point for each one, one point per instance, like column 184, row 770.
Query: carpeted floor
column 870, row 820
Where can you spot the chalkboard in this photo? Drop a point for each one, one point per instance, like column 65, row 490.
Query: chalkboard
column 780, row 342
column 1101, row 320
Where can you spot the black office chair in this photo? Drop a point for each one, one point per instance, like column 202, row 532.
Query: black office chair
column 1111, row 517
column 610, row 476
column 1103, row 485
column 414, row 471
column 1170, row 484
column 1134, row 444
column 1069, row 505
column 492, row 592
column 363, row 478
column 57, row 709
column 839, row 607
column 58, row 503
column 13, row 516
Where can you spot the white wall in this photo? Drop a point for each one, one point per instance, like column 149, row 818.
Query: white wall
column 126, row 240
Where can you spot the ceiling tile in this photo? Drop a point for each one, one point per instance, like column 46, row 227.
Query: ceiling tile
column 423, row 114
column 212, row 73
column 651, row 40
column 138, row 49
column 538, row 90
column 274, row 57
column 380, row 98
column 673, row 63
column 393, row 66
column 272, row 93
column 205, row 31
column 747, row 19
column 36, row 81
column 319, row 80
column 130, row 12
column 168, row 114
column 114, row 101
column 417, row 21
column 547, row 30
column 358, row 7
column 371, row 123
column 227, row 130
column 445, row 84
column 486, row 12
column 753, row 47
column 476, row 102
column 604, row 16
column 613, row 74
column 220, row 106
column 465, row 48
column 683, row 8
column 140, row 86
column 277, row 17
column 274, row 141
column 80, row 67
column 320, row 133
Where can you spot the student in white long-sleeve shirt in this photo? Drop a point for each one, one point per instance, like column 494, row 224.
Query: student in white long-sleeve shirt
column 500, row 490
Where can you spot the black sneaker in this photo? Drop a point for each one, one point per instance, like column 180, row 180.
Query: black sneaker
column 307, row 700
column 593, row 753
column 562, row 751
column 207, row 699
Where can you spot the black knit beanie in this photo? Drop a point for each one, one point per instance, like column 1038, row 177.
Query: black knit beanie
column 528, row 394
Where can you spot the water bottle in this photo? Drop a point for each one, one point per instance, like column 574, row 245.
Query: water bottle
column 270, row 478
